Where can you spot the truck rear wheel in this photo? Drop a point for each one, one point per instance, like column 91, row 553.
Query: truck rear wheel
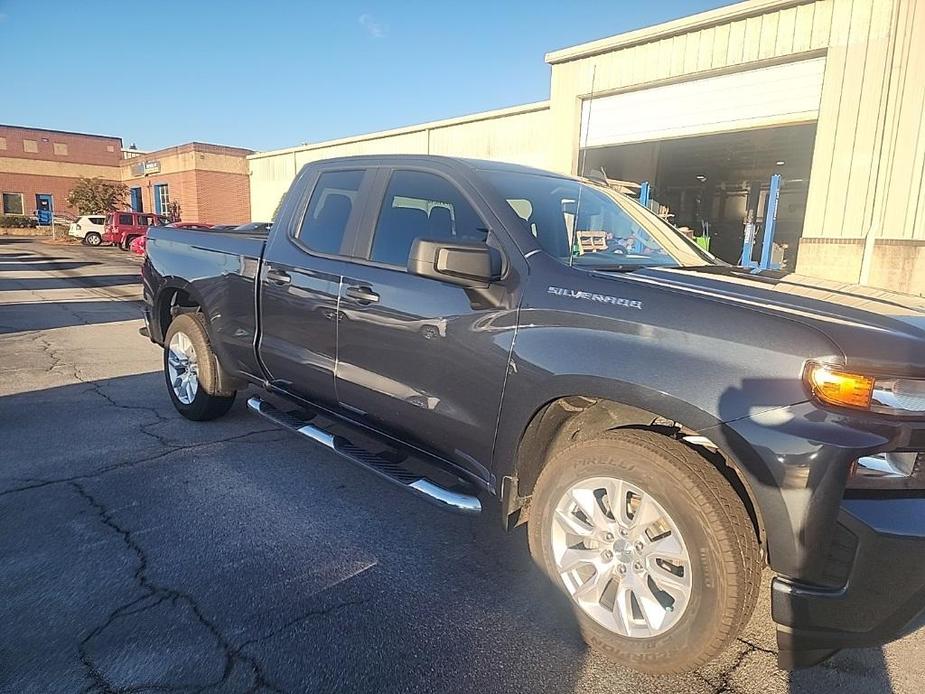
column 192, row 370
column 651, row 544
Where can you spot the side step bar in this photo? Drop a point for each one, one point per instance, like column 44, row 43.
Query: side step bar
column 395, row 472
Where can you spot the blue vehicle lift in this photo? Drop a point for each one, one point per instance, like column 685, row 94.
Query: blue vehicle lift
column 770, row 223
column 645, row 192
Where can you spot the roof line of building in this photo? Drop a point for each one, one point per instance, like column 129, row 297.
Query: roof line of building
column 189, row 147
column 62, row 132
column 408, row 129
column 701, row 20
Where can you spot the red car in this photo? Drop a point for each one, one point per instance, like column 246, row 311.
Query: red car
column 122, row 227
column 137, row 246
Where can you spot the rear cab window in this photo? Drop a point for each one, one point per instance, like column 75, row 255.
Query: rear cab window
column 125, row 219
column 332, row 203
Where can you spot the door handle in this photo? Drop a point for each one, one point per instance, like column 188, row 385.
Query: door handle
column 278, row 277
column 363, row 295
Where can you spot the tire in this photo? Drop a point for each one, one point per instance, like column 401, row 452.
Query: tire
column 721, row 573
column 205, row 400
column 126, row 242
column 93, row 239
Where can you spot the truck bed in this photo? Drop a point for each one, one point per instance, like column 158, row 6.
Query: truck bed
column 218, row 269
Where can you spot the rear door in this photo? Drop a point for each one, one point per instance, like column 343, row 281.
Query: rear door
column 142, row 222
column 418, row 358
column 125, row 222
column 300, row 280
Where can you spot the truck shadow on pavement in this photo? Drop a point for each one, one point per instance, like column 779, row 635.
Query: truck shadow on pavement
column 42, row 264
column 47, row 315
column 88, row 281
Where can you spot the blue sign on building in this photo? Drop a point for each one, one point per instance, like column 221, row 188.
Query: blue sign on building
column 45, row 218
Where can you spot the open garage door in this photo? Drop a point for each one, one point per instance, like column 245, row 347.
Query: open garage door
column 770, row 96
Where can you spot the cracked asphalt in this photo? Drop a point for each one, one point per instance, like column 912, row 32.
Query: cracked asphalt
column 140, row 552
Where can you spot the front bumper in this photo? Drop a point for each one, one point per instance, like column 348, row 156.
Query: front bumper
column 883, row 598
column 851, row 566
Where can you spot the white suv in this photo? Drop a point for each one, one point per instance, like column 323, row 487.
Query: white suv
column 89, row 228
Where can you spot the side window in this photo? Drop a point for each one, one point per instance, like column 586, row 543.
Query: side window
column 96, row 220
column 144, row 220
column 125, row 219
column 329, row 210
column 421, row 205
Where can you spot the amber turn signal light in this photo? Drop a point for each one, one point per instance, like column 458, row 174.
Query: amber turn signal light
column 839, row 387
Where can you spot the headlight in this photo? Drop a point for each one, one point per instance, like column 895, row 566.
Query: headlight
column 896, row 396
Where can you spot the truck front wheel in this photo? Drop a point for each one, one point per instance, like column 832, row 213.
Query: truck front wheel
column 192, row 370
column 651, row 544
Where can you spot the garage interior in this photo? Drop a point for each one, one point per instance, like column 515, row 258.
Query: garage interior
column 711, row 184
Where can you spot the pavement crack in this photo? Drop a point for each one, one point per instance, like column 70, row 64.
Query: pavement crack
column 723, row 684
column 154, row 594
column 37, row 484
column 322, row 612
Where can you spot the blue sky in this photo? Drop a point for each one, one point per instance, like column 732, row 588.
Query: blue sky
column 266, row 74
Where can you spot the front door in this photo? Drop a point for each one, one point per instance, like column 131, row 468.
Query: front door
column 44, row 208
column 418, row 358
column 299, row 284
column 137, row 204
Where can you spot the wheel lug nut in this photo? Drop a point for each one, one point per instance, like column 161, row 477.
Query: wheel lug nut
column 637, row 566
column 608, row 537
column 623, row 533
column 607, row 555
column 621, row 569
column 639, row 546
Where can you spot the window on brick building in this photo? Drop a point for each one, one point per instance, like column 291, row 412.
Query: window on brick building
column 61, row 148
column 12, row 203
column 30, row 146
column 2, row 143
column 161, row 198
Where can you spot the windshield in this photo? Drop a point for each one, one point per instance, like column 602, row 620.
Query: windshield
column 589, row 225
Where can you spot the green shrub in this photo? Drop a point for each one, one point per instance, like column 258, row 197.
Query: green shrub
column 16, row 221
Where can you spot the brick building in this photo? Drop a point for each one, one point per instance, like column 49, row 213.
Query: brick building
column 38, row 164
column 209, row 182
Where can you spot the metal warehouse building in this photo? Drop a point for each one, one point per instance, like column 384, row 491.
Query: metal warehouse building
column 814, row 104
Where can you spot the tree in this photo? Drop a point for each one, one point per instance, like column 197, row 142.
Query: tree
column 95, row 196
column 173, row 211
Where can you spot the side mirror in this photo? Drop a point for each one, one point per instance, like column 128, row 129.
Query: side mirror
column 468, row 264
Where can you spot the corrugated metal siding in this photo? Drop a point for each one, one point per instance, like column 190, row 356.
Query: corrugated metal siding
column 269, row 179
column 870, row 144
column 518, row 137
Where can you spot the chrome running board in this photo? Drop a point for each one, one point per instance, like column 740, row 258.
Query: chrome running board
column 396, row 472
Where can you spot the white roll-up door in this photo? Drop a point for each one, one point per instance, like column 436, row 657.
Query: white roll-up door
column 776, row 95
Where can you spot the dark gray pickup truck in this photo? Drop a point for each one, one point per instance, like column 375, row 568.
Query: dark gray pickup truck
column 666, row 425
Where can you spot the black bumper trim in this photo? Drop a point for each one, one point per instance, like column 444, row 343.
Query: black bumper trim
column 882, row 600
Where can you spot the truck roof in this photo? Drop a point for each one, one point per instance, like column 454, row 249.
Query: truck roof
column 475, row 164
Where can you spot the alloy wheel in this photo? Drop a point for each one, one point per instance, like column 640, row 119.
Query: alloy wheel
column 183, row 368
column 621, row 557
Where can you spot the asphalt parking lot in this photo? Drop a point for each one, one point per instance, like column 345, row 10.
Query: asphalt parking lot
column 142, row 552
